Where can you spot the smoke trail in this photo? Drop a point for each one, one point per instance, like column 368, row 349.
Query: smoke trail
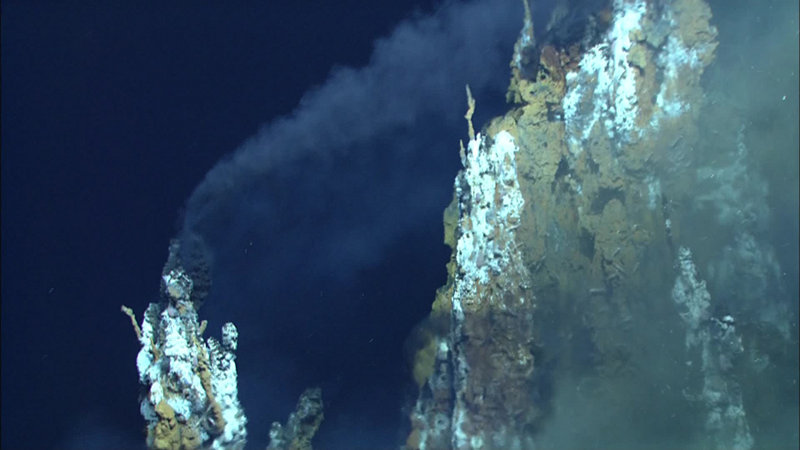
column 388, row 116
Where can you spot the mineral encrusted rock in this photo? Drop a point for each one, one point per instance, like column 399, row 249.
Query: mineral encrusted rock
column 565, row 223
column 190, row 397
column 302, row 424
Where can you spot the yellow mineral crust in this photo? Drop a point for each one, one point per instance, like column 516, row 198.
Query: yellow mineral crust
column 169, row 433
column 129, row 312
column 204, row 372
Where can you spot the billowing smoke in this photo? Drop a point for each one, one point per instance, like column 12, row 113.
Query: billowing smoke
column 357, row 157
column 415, row 79
column 349, row 183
